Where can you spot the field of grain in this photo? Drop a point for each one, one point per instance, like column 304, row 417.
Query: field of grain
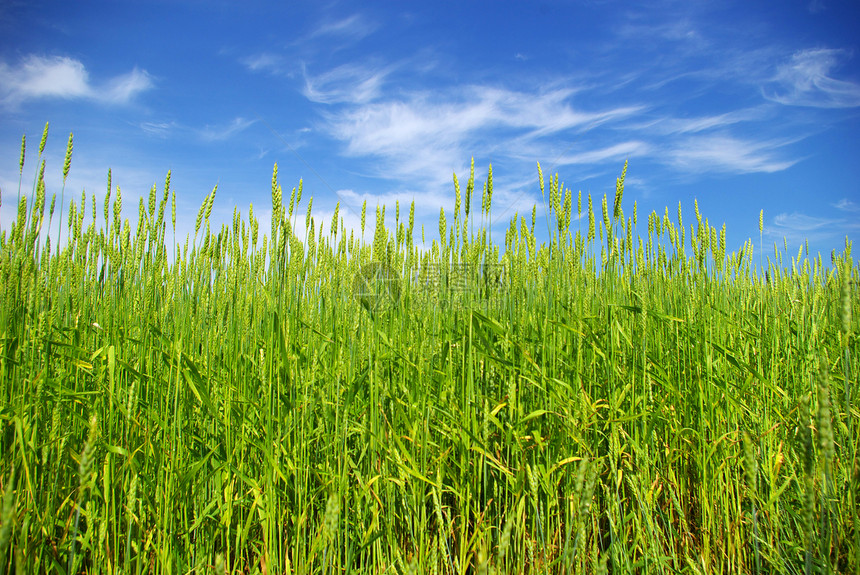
column 627, row 397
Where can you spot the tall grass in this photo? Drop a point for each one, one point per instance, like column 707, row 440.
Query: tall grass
column 610, row 401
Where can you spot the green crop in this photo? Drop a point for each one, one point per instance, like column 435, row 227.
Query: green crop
column 608, row 401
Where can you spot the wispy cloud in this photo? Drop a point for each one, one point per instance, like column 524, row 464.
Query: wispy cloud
column 208, row 133
column 616, row 153
column 355, row 27
column 263, row 62
column 219, row 133
column 802, row 222
column 798, row 227
column 63, row 77
column 675, row 30
column 158, row 129
column 123, row 88
column 675, row 126
column 432, row 131
column 847, row 205
column 728, row 154
column 806, row 80
column 326, row 37
column 351, row 83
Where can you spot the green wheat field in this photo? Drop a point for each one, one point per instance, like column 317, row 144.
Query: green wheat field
column 627, row 397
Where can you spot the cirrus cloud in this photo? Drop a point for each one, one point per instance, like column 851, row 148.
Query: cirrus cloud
column 807, row 80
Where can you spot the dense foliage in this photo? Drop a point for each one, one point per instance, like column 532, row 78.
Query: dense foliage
column 610, row 401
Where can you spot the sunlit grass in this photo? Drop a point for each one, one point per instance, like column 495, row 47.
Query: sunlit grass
column 628, row 397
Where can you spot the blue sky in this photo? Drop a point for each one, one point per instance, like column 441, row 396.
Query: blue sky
column 742, row 105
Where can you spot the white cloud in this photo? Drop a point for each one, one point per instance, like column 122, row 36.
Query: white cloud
column 798, row 227
column 63, row 77
column 806, row 81
column 208, row 133
column 44, row 77
column 670, row 126
column 676, row 30
column 847, row 205
column 723, row 153
column 616, row 153
column 262, row 62
column 432, row 132
column 123, row 88
column 427, row 133
column 327, row 37
column 802, row 222
column 217, row 133
column 356, row 84
column 355, row 26
column 159, row 129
